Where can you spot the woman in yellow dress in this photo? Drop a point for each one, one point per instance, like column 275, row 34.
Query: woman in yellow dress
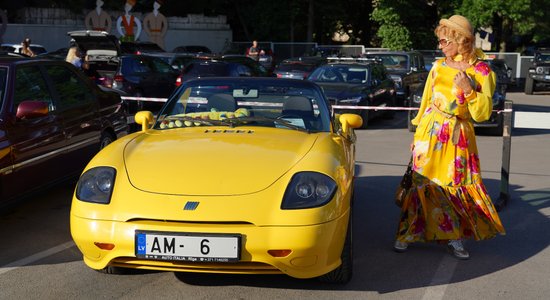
column 448, row 201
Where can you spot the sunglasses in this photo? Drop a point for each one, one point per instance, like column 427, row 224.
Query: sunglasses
column 444, row 42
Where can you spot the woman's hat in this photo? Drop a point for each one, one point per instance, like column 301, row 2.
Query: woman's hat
column 459, row 24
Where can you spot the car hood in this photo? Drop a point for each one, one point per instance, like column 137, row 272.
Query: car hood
column 197, row 161
column 341, row 90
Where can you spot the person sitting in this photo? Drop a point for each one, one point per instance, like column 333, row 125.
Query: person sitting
column 74, row 57
column 26, row 48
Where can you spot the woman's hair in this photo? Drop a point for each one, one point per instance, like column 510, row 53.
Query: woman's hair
column 465, row 43
column 72, row 54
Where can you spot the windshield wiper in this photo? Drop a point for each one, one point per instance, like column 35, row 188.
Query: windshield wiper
column 232, row 122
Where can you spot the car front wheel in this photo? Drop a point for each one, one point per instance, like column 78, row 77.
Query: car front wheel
column 106, row 139
column 344, row 272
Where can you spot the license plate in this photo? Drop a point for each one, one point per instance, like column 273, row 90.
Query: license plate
column 195, row 247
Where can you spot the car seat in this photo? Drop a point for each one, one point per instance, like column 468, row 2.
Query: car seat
column 222, row 102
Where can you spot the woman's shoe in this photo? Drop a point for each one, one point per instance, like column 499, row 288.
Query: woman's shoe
column 457, row 249
column 400, row 246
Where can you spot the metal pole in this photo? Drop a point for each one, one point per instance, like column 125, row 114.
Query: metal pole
column 504, row 196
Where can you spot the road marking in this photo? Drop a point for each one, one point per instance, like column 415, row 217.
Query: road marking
column 441, row 279
column 35, row 257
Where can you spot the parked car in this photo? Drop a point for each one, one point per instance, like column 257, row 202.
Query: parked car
column 539, row 72
column 299, row 67
column 139, row 47
column 198, row 49
column 53, row 120
column 144, row 76
column 257, row 68
column 493, row 126
column 215, row 68
column 357, row 83
column 185, row 194
column 102, row 51
column 406, row 68
column 36, row 48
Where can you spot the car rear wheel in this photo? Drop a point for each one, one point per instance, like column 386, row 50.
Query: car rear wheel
column 529, row 85
column 344, row 272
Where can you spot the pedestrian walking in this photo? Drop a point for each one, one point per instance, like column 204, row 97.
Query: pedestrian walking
column 447, row 201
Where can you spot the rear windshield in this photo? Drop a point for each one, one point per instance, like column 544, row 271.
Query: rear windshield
column 202, row 69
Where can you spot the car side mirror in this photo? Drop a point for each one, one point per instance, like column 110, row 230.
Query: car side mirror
column 31, row 109
column 349, row 121
column 144, row 118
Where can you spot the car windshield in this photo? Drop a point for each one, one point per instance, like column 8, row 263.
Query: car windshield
column 543, row 57
column 356, row 74
column 3, row 79
column 392, row 61
column 238, row 104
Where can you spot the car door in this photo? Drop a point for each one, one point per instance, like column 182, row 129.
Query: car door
column 381, row 86
column 77, row 108
column 35, row 144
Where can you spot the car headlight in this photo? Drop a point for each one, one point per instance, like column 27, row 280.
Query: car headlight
column 308, row 190
column 96, row 185
column 354, row 100
column 397, row 80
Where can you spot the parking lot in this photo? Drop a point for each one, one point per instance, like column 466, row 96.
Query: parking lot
column 38, row 259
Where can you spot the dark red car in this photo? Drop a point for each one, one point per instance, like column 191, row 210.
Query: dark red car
column 53, row 120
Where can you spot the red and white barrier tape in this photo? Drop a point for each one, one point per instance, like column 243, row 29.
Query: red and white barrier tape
column 375, row 108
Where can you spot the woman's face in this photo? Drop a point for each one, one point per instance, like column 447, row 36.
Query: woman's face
column 448, row 46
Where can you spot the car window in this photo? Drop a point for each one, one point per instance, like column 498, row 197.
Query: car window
column 3, row 80
column 161, row 67
column 70, row 87
column 392, row 61
column 378, row 73
column 136, row 65
column 30, row 85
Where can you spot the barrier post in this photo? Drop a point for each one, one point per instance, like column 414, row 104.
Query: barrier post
column 504, row 196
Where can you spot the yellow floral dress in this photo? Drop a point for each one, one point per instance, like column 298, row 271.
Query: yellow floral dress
column 448, row 199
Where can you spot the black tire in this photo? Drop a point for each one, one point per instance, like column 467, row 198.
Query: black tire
column 410, row 126
column 529, row 85
column 344, row 272
column 365, row 116
column 106, row 139
column 113, row 270
column 390, row 114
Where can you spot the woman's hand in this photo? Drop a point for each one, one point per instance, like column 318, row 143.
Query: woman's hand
column 462, row 81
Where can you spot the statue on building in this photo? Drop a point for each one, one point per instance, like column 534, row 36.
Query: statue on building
column 98, row 19
column 155, row 24
column 128, row 26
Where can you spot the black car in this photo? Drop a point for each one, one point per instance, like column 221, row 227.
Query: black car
column 258, row 70
column 53, row 120
column 139, row 47
column 298, row 67
column 539, row 72
column 357, row 83
column 197, row 49
column 216, row 68
column 493, row 126
column 406, row 68
column 144, row 76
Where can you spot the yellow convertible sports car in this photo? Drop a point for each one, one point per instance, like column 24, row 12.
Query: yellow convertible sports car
column 236, row 175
